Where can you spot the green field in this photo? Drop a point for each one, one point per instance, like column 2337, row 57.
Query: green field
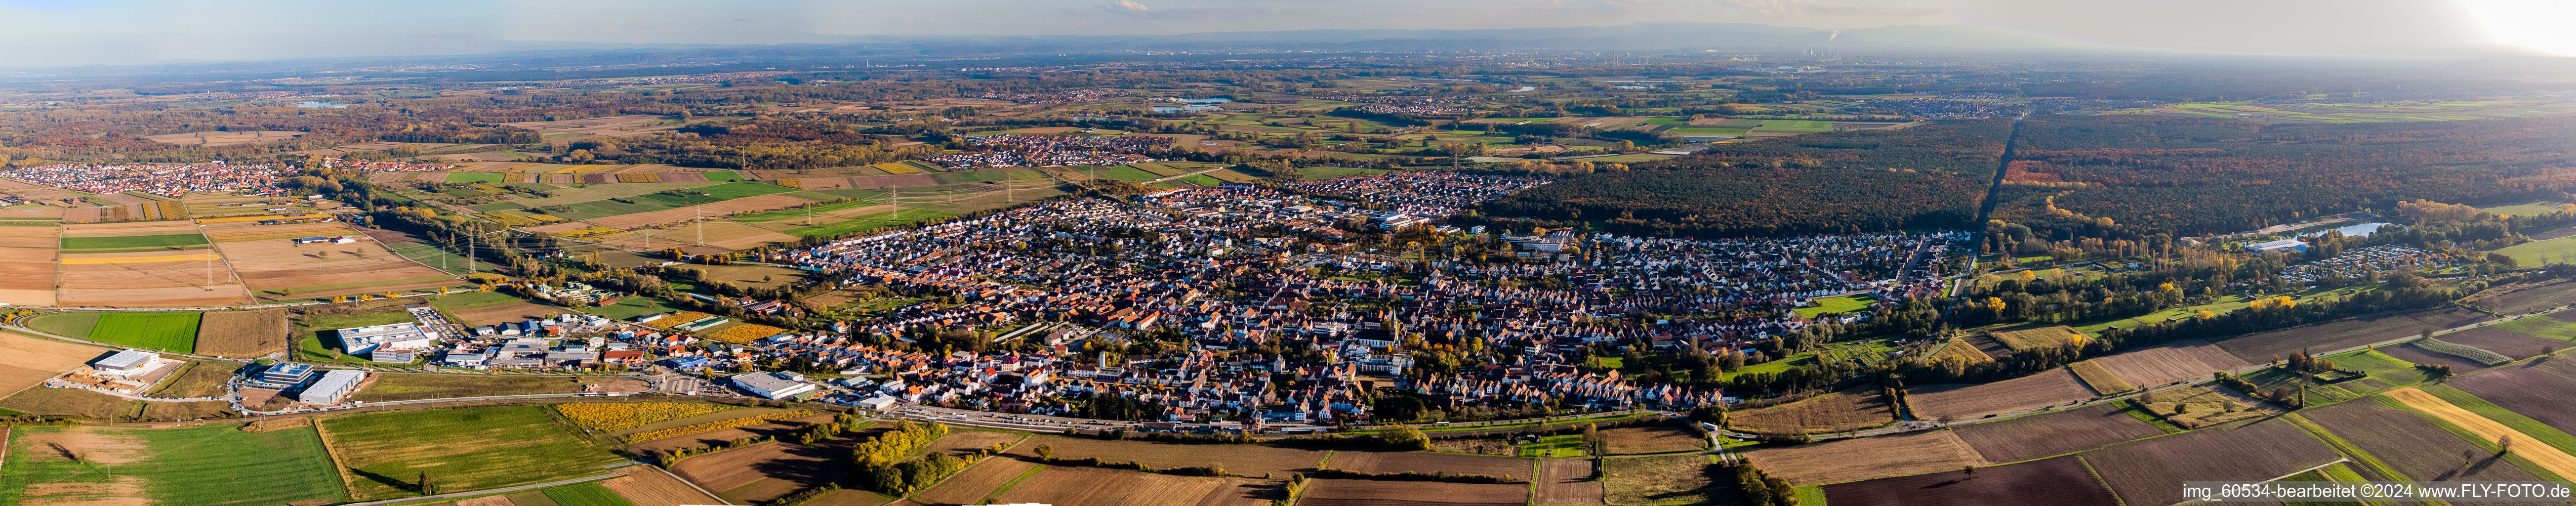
column 440, row 259
column 1568, row 446
column 722, row 175
column 1795, row 125
column 2523, row 424
column 1843, row 304
column 471, row 299
column 473, row 177
column 863, row 223
column 1667, row 121
column 140, row 241
column 2222, row 305
column 204, row 465
column 660, row 201
column 1708, row 130
column 630, row 307
column 2550, row 251
column 2525, row 208
column 384, row 453
column 583, row 494
column 170, row 331
column 789, row 214
column 72, row 324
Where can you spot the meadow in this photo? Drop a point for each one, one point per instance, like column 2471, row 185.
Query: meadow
column 169, row 331
column 202, row 465
column 383, row 454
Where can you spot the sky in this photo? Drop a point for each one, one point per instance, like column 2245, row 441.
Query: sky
column 121, row 32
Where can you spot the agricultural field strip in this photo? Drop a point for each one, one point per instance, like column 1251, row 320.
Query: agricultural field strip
column 2548, row 457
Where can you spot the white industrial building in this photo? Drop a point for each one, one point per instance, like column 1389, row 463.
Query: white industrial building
column 773, row 385
column 334, row 387
column 392, row 336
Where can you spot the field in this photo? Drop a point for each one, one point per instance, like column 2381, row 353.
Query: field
column 27, row 270
column 1662, row 479
column 617, row 416
column 1411, row 493
column 1086, row 486
column 2529, row 390
column 975, row 483
column 2551, row 250
column 2410, row 353
column 1843, row 304
column 111, row 275
column 765, row 471
column 646, row 486
column 200, row 378
column 2410, row 445
column 2195, row 407
column 223, row 138
column 496, row 314
column 170, row 331
column 382, row 454
column 2038, row 338
column 1653, row 439
column 279, row 269
column 404, row 387
column 72, row 324
column 1566, row 481
column 2057, row 481
column 2057, row 433
column 2099, row 379
column 2170, row 362
column 1392, row 462
column 204, row 465
column 719, row 436
column 1248, row 460
column 2324, row 337
column 30, row 360
column 1844, row 460
column 1960, row 402
column 1833, row 412
column 2145, row 472
column 713, row 210
column 242, row 333
column 2513, row 345
column 2488, row 430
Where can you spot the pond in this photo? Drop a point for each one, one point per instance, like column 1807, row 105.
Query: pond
column 1187, row 108
column 321, row 105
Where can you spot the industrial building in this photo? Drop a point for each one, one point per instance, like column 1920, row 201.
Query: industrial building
column 392, row 336
column 335, row 386
column 774, row 385
column 282, row 375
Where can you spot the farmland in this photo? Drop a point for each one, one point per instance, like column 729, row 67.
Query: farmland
column 171, row 331
column 2099, row 379
column 1662, row 479
column 2144, row 472
column 2051, row 482
column 1427, row 462
column 645, row 486
column 30, row 360
column 2489, row 430
column 2263, row 347
column 2511, row 344
column 1403, row 493
column 764, row 471
column 978, row 481
column 1087, row 486
column 1566, row 481
column 1832, row 412
column 2530, row 299
column 1250, row 460
column 2058, row 433
column 404, row 387
column 616, row 416
column 464, row 449
column 242, row 333
column 720, row 436
column 1960, row 402
column 203, row 465
column 2169, row 362
column 2038, row 338
column 2527, row 390
column 1650, row 439
column 1844, row 460
column 2408, row 444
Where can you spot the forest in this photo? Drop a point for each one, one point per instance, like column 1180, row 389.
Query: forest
column 2192, row 176
column 1872, row 180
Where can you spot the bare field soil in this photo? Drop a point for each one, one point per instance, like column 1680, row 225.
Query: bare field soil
column 189, row 268
column 1427, row 462
column 2408, row 352
column 2506, row 342
column 1248, row 460
column 2530, row 299
column 2057, row 433
column 713, row 210
column 1844, row 460
column 2319, row 338
column 129, row 229
column 2053, row 482
column 776, row 428
column 223, row 138
column 1091, row 486
column 971, row 485
column 2534, row 389
column 1833, row 412
column 2409, row 444
column 1652, row 439
column 182, row 296
column 30, row 360
column 609, row 126
column 1566, row 481
column 2145, row 472
column 280, row 264
column 2170, row 362
column 721, row 234
column 30, row 237
column 1962, row 402
column 27, row 275
column 646, row 486
column 1410, row 493
column 242, row 333
column 762, row 472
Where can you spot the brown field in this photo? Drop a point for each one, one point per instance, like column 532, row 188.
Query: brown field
column 1247, row 460
column 2145, row 472
column 2408, row 444
column 849, row 497
column 129, row 229
column 2052, row 482
column 31, row 360
column 1844, row 460
column 1854, row 409
column 2198, row 406
column 1961, row 402
column 27, row 274
column 2534, row 389
column 718, row 209
column 74, row 403
column 2530, row 299
column 963, row 442
column 777, row 428
column 728, row 235
column 223, row 138
column 2342, row 334
column 1090, row 486
column 1662, row 479
column 2057, row 433
column 610, row 126
column 30, row 237
column 242, row 333
column 1427, row 462
column 764, row 471
column 1652, row 439
column 2506, row 342
column 495, row 314
column 1409, row 493
column 2411, row 354
column 2548, row 457
column 277, row 265
column 885, row 181
column 1566, row 481
column 2038, row 338
column 2100, row 380
column 971, row 485
column 2170, row 362
column 181, row 296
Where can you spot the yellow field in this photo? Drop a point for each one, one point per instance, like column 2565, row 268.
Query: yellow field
column 2546, row 456
column 142, row 260
column 896, row 168
column 262, row 217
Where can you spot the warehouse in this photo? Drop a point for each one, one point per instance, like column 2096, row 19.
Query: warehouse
column 335, row 386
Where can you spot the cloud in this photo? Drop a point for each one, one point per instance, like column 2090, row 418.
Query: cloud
column 1804, row 7
column 1126, row 6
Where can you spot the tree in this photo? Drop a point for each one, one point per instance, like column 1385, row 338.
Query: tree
column 1405, row 437
column 427, row 486
column 1970, row 471
column 1045, row 452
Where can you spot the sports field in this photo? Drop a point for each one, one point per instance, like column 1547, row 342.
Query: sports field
column 170, row 331
column 383, row 454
